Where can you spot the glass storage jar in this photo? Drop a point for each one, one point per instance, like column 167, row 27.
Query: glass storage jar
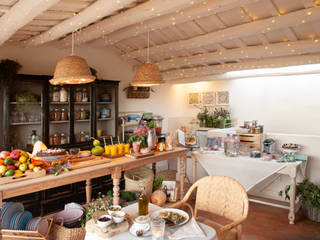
column 64, row 115
column 57, row 115
column 56, row 95
column 51, row 115
column 232, row 145
column 78, row 95
column 51, row 140
column 85, row 96
column 63, row 95
column 77, row 114
column 56, row 139
column 83, row 114
column 82, row 137
column 63, row 138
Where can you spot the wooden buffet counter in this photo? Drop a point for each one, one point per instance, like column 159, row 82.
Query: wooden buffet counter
column 113, row 168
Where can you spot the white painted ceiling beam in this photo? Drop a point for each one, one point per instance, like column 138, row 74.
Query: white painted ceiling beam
column 20, row 14
column 182, row 16
column 142, row 12
column 209, row 72
column 4, row 8
column 243, row 30
column 94, row 12
column 271, row 50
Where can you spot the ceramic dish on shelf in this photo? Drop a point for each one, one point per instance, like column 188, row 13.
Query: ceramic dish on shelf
column 5, row 206
column 15, row 219
column 11, row 210
column 22, row 221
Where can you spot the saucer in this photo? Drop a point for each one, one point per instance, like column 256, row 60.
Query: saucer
column 133, row 231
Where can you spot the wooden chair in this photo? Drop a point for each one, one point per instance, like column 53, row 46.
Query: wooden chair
column 222, row 196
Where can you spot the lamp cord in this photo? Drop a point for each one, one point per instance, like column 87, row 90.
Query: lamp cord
column 72, row 47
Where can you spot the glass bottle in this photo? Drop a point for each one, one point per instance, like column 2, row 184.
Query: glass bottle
column 143, row 203
column 85, row 97
column 63, row 95
column 78, row 95
column 34, row 137
column 56, row 95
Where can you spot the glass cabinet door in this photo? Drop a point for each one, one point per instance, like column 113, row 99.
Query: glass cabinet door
column 105, row 111
column 82, row 112
column 59, row 115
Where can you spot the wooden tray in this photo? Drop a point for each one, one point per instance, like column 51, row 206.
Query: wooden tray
column 139, row 155
column 25, row 176
column 94, row 228
column 89, row 163
column 30, row 235
column 112, row 157
column 81, row 159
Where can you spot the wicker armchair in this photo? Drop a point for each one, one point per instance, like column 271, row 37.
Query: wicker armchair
column 222, row 196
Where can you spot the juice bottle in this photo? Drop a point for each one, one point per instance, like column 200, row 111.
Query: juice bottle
column 143, row 202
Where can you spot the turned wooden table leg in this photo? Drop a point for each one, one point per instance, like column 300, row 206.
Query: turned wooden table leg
column 88, row 190
column 182, row 161
column 194, row 168
column 116, row 186
column 291, row 215
column 154, row 168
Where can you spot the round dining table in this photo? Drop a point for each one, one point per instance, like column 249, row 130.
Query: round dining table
column 132, row 210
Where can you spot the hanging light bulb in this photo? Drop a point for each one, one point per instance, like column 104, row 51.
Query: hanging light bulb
column 72, row 70
column 148, row 74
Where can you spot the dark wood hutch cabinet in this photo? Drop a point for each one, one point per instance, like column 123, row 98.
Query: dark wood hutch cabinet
column 84, row 119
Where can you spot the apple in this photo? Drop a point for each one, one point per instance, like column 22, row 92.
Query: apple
column 4, row 154
column 17, row 164
column 11, row 167
column 15, row 154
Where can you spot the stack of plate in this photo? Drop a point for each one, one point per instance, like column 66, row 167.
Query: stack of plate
column 38, row 224
column 68, row 216
column 10, row 210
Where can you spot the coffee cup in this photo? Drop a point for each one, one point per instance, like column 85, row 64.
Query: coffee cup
column 142, row 223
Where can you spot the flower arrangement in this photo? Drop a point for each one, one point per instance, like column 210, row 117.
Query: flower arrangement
column 139, row 135
column 220, row 118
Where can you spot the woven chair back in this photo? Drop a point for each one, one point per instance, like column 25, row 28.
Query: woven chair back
column 222, row 196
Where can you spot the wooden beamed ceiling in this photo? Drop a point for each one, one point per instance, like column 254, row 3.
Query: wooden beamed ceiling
column 188, row 38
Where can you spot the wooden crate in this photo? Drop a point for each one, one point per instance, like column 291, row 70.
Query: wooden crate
column 19, row 234
column 253, row 140
column 25, row 176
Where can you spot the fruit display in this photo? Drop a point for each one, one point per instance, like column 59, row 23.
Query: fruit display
column 15, row 163
column 97, row 150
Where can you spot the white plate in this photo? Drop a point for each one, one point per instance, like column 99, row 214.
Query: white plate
column 174, row 210
column 132, row 230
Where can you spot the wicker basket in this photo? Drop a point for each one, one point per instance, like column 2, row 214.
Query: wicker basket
column 59, row 232
column 311, row 212
column 137, row 178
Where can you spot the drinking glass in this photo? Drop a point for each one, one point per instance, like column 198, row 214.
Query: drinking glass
column 157, row 228
column 74, row 152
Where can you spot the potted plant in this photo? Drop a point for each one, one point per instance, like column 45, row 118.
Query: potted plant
column 310, row 196
column 139, row 137
column 202, row 117
column 220, row 117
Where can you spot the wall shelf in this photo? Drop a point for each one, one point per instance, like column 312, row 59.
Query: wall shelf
column 24, row 123
column 104, row 119
column 58, row 122
column 104, row 102
column 59, row 103
column 26, row 103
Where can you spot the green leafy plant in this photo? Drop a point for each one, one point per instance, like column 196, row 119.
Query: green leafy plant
column 157, row 183
column 139, row 135
column 308, row 191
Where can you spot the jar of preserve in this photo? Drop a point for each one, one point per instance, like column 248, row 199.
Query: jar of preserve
column 85, row 96
column 51, row 115
column 64, row 115
column 78, row 95
column 63, row 95
column 56, row 95
column 63, row 138
column 82, row 137
column 56, row 139
column 83, row 114
column 57, row 115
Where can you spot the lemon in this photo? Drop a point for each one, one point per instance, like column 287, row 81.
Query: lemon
column 22, row 159
column 3, row 169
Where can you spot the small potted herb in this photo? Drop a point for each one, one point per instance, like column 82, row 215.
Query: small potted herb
column 310, row 196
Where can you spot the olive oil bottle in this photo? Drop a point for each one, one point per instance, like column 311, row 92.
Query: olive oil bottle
column 143, row 203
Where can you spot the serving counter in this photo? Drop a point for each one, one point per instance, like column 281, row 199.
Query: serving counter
column 113, row 168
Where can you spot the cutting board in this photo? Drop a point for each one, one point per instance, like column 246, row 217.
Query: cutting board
column 81, row 159
column 139, row 155
column 108, row 232
column 89, row 163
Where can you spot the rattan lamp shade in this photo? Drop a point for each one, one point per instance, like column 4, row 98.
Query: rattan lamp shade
column 147, row 75
column 72, row 70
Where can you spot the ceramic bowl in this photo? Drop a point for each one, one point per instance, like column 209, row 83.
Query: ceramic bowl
column 68, row 215
column 104, row 221
column 114, row 208
column 118, row 216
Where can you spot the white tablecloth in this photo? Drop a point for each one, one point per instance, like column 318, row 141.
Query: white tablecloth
column 132, row 210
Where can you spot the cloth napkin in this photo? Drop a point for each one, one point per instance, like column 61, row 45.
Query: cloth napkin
column 189, row 230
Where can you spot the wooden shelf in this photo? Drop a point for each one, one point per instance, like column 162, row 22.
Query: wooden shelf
column 104, row 102
column 57, row 122
column 59, row 103
column 104, row 119
column 26, row 103
column 81, row 103
column 24, row 123
column 86, row 120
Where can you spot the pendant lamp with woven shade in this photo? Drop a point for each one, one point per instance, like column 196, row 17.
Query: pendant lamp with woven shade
column 148, row 74
column 72, row 70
